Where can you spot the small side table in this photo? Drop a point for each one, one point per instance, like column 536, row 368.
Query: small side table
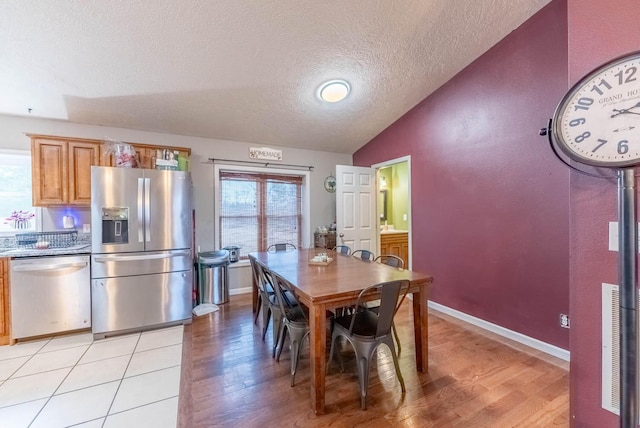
column 324, row 240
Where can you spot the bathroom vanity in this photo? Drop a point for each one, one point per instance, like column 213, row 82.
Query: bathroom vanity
column 395, row 242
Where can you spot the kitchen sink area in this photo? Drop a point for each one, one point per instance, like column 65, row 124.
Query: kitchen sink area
column 34, row 252
column 51, row 243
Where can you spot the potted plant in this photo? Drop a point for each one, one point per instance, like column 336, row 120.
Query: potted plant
column 20, row 219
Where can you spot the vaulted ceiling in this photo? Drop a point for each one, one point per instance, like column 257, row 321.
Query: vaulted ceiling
column 244, row 70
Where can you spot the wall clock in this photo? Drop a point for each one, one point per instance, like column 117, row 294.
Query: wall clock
column 598, row 121
column 330, row 184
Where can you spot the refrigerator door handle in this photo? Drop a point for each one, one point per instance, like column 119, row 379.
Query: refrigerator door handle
column 147, row 208
column 140, row 210
column 104, row 259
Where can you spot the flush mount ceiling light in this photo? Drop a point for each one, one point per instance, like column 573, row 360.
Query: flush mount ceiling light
column 333, row 91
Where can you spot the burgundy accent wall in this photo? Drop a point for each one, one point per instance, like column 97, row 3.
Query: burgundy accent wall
column 490, row 202
column 598, row 31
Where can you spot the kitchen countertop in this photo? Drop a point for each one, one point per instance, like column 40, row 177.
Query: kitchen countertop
column 392, row 231
column 33, row 252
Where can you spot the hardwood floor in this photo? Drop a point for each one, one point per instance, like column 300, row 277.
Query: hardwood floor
column 475, row 379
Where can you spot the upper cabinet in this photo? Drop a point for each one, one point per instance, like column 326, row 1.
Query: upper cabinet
column 61, row 167
column 80, row 157
column 146, row 154
column 61, row 170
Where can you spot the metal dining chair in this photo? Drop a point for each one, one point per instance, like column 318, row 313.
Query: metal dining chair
column 257, row 281
column 281, row 247
column 396, row 262
column 267, row 301
column 294, row 321
column 342, row 249
column 366, row 330
column 365, row 255
column 391, row 260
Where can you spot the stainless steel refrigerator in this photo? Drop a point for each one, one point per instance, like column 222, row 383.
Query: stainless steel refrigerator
column 141, row 243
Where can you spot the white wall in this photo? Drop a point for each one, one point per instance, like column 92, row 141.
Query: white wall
column 12, row 136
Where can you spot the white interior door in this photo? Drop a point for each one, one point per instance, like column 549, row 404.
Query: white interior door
column 356, row 198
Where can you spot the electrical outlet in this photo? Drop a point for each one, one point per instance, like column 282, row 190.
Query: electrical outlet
column 564, row 321
column 613, row 236
column 86, row 228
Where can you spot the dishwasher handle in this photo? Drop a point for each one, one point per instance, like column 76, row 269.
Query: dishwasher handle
column 44, row 267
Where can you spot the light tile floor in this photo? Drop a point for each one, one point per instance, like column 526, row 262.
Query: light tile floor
column 123, row 381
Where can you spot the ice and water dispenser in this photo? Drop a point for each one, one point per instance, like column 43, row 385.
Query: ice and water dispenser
column 115, row 225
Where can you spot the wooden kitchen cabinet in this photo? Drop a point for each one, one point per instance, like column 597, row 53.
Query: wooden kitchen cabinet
column 61, row 167
column 143, row 156
column 5, row 312
column 49, row 172
column 145, row 153
column 146, row 157
column 61, row 170
column 148, row 154
column 396, row 244
column 80, row 157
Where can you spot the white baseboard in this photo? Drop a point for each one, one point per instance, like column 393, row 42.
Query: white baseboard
column 547, row 348
column 243, row 290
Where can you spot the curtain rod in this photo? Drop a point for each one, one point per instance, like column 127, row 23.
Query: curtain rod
column 265, row 164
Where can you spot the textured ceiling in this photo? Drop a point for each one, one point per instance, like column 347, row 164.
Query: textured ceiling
column 244, row 70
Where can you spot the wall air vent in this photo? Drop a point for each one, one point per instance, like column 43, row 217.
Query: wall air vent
column 611, row 348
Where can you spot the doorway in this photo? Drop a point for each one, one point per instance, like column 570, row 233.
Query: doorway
column 393, row 178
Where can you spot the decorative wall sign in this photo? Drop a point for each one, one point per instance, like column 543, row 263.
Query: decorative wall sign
column 265, row 153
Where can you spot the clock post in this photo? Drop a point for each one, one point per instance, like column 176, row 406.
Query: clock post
column 597, row 123
column 627, row 274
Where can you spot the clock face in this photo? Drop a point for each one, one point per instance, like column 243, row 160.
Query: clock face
column 598, row 121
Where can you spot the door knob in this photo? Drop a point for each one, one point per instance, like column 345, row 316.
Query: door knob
column 341, row 235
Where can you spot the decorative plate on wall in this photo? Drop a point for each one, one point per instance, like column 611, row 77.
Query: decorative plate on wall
column 330, row 184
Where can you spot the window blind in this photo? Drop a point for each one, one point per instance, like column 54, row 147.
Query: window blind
column 259, row 209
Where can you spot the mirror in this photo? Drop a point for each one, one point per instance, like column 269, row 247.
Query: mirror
column 382, row 205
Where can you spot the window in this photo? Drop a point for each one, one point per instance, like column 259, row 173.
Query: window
column 15, row 192
column 259, row 209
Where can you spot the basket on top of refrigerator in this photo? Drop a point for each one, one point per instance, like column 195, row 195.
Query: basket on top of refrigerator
column 124, row 155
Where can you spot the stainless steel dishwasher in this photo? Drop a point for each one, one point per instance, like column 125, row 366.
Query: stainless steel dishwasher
column 49, row 294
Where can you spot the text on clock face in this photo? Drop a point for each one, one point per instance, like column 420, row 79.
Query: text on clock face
column 618, row 97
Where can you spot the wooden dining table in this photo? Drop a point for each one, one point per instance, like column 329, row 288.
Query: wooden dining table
column 336, row 285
